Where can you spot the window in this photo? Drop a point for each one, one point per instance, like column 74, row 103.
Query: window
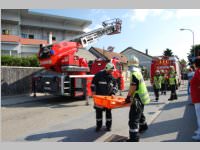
column 24, row 35
column 31, row 36
column 5, row 32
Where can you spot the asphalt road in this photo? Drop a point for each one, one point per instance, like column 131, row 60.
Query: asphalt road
column 59, row 120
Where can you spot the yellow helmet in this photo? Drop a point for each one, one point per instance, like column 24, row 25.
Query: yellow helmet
column 109, row 66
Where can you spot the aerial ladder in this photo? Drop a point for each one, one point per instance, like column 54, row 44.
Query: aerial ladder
column 66, row 73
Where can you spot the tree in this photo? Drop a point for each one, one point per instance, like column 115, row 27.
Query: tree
column 195, row 48
column 183, row 64
column 168, row 52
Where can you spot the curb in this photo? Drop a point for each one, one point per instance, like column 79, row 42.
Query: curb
column 19, row 99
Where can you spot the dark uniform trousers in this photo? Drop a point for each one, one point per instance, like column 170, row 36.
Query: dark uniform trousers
column 99, row 117
column 173, row 92
column 156, row 91
column 163, row 88
column 136, row 119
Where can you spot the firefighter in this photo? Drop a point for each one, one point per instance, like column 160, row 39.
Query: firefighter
column 163, row 82
column 104, row 84
column 137, row 97
column 157, row 84
column 172, row 83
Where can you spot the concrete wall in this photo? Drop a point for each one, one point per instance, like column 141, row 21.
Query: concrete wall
column 17, row 80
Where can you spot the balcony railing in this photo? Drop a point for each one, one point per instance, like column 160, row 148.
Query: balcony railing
column 24, row 41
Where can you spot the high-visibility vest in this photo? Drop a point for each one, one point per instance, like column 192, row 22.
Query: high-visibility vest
column 157, row 81
column 142, row 89
column 172, row 78
column 163, row 79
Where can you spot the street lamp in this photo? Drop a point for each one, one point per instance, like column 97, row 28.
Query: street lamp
column 192, row 38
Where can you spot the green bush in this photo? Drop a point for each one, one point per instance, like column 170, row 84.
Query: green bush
column 30, row 61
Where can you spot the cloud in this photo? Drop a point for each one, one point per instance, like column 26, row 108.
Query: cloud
column 166, row 15
column 100, row 17
column 182, row 13
column 140, row 15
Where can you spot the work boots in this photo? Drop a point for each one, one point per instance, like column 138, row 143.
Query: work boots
column 143, row 128
column 171, row 98
column 134, row 137
column 175, row 97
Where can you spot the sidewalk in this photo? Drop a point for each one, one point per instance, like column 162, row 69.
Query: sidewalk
column 175, row 123
column 18, row 99
column 12, row 100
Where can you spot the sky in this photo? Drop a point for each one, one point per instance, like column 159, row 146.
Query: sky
column 152, row 29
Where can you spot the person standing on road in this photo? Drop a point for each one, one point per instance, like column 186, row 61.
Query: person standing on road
column 138, row 97
column 103, row 83
column 172, row 83
column 157, row 84
column 190, row 76
column 195, row 90
column 163, row 82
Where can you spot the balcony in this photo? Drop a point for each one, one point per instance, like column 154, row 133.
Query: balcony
column 23, row 41
column 10, row 38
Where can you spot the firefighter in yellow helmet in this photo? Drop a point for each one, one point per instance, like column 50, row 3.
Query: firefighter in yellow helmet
column 163, row 82
column 172, row 83
column 103, row 83
column 138, row 97
column 157, row 84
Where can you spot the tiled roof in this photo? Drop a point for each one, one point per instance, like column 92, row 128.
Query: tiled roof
column 136, row 51
column 108, row 55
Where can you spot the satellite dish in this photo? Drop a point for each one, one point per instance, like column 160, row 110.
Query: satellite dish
column 110, row 48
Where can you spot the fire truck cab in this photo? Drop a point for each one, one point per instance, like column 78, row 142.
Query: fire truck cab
column 164, row 63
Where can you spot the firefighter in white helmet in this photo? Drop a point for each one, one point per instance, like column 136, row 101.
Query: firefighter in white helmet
column 157, row 84
column 138, row 96
column 104, row 84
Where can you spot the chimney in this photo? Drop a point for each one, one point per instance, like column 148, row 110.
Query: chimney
column 50, row 38
column 146, row 51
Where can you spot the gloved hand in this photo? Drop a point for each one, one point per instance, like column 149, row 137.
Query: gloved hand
column 128, row 99
column 115, row 90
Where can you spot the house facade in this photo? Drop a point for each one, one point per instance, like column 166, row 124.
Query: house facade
column 22, row 30
column 144, row 59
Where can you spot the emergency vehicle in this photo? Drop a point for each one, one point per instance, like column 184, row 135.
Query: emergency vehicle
column 64, row 72
column 99, row 64
column 164, row 63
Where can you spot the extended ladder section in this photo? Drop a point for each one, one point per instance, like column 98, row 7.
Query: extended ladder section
column 109, row 27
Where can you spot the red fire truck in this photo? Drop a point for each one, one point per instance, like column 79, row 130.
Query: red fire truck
column 99, row 64
column 64, row 72
column 164, row 63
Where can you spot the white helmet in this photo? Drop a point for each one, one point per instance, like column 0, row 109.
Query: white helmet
column 157, row 71
column 132, row 60
column 109, row 66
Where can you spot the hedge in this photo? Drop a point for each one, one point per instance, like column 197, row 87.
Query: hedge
column 30, row 61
